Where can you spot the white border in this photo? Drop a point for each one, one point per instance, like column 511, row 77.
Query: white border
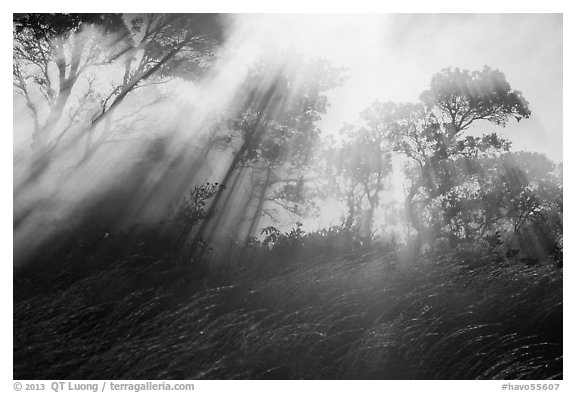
column 298, row 6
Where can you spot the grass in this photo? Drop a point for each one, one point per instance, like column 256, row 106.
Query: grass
column 351, row 316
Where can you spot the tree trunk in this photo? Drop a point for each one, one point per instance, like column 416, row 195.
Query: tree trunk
column 41, row 136
column 414, row 220
column 258, row 212
column 252, row 139
column 351, row 204
column 213, row 225
column 373, row 201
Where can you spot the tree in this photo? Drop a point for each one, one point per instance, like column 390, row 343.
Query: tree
column 431, row 136
column 272, row 132
column 68, row 42
column 142, row 50
column 364, row 163
column 282, row 159
column 164, row 47
column 460, row 97
column 517, row 200
column 79, row 76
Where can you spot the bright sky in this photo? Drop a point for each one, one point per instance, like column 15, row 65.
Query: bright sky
column 393, row 57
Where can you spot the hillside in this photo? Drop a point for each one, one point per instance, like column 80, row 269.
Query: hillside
column 369, row 315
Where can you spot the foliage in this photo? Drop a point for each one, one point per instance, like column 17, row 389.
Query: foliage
column 517, row 199
column 69, row 43
column 362, row 163
column 289, row 240
column 463, row 97
column 297, row 244
column 445, row 162
column 49, row 26
column 272, row 133
column 279, row 106
column 193, row 207
column 86, row 50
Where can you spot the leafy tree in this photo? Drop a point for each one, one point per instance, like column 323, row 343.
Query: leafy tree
column 76, row 72
column 273, row 131
column 281, row 160
column 164, row 47
column 42, row 41
column 431, row 135
column 515, row 201
column 192, row 208
column 145, row 50
column 364, row 162
column 460, row 97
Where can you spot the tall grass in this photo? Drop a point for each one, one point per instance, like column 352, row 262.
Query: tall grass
column 365, row 315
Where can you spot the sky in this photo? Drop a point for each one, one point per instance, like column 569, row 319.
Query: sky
column 392, row 57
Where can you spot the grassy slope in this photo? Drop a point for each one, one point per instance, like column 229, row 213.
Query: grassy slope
column 370, row 316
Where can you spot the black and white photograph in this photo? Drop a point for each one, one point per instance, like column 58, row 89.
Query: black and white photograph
column 287, row 196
